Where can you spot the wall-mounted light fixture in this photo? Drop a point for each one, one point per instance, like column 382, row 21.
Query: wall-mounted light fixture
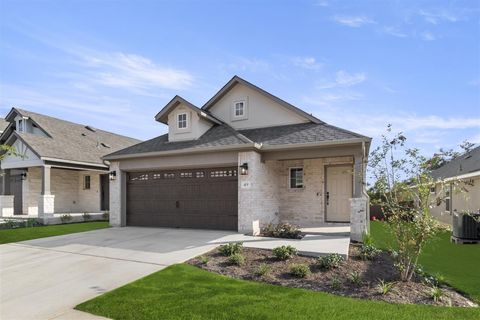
column 24, row 176
column 244, row 169
column 113, row 175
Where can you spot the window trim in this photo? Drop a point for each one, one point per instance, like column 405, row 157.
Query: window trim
column 448, row 196
column 85, row 186
column 244, row 115
column 178, row 120
column 290, row 178
column 242, row 109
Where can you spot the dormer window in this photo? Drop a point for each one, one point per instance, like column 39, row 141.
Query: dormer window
column 182, row 121
column 239, row 109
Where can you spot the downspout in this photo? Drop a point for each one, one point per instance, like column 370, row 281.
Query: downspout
column 364, row 186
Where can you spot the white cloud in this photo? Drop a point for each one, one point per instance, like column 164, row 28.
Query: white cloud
column 394, row 31
column 353, row 21
column 307, row 63
column 344, row 79
column 245, row 64
column 428, row 36
column 321, row 3
column 437, row 16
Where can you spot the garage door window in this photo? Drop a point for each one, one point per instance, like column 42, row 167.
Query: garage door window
column 139, row 177
column 186, row 174
column 169, row 175
column 200, row 174
column 223, row 173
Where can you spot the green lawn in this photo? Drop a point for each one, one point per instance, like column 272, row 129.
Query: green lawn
column 458, row 263
column 21, row 234
column 186, row 292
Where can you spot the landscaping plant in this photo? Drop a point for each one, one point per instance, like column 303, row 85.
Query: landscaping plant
column 86, row 216
column 284, row 252
column 403, row 183
column 368, row 252
column 356, row 278
column 231, row 248
column 65, row 218
column 237, row 259
column 282, row 230
column 263, row 270
column 299, row 270
column 330, row 261
column 336, row 283
column 204, row 259
column 436, row 293
column 385, row 287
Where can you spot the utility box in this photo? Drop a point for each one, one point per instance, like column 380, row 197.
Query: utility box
column 466, row 227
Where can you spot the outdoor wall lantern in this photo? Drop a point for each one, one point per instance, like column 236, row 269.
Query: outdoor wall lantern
column 24, row 176
column 244, row 169
column 113, row 175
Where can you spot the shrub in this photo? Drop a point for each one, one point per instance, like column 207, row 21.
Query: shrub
column 284, row 252
column 356, row 278
column 31, row 222
column 106, row 215
column 237, row 259
column 385, row 287
column 204, row 259
column 231, row 248
column 367, row 239
column 86, row 216
column 332, row 260
column 433, row 280
column 263, row 270
column 336, row 283
column 282, row 230
column 436, row 293
column 12, row 224
column 65, row 218
column 299, row 270
column 368, row 252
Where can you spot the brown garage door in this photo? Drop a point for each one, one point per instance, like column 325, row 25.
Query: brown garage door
column 200, row 198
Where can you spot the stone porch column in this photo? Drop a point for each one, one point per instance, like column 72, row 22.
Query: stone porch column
column 118, row 196
column 6, row 200
column 359, row 204
column 46, row 201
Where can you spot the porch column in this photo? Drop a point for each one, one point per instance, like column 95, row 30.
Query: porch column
column 46, row 202
column 118, row 196
column 359, row 203
column 6, row 200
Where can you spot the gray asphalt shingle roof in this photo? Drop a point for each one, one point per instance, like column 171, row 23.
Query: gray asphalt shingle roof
column 466, row 163
column 3, row 124
column 72, row 141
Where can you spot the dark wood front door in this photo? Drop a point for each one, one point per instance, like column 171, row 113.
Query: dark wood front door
column 198, row 198
column 104, row 192
column 17, row 191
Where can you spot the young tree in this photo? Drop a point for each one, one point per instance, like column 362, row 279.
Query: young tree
column 403, row 183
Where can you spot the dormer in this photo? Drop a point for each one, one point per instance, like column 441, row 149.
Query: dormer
column 185, row 121
column 243, row 105
column 22, row 123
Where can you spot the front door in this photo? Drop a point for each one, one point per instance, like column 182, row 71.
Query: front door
column 16, row 191
column 338, row 193
column 104, row 192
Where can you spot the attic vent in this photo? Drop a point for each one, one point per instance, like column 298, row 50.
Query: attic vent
column 83, row 134
column 104, row 145
column 90, row 128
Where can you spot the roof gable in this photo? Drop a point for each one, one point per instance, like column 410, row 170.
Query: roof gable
column 236, row 80
column 162, row 116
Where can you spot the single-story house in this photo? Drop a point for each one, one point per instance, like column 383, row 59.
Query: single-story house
column 462, row 179
column 58, row 168
column 245, row 159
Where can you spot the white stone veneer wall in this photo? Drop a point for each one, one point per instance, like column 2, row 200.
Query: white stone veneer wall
column 67, row 186
column 116, row 196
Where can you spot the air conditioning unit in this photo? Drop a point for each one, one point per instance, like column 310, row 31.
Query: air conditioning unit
column 466, row 226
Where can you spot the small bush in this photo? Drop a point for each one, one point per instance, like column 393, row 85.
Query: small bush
column 330, row 261
column 231, row 249
column 204, row 259
column 237, row 259
column 436, row 293
column 368, row 252
column 86, row 216
column 31, row 222
column 356, row 278
column 263, row 270
column 282, row 230
column 106, row 215
column 434, row 280
column 367, row 239
column 284, row 252
column 12, row 224
column 336, row 283
column 385, row 287
column 299, row 270
column 65, row 218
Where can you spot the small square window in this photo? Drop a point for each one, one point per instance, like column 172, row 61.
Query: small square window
column 182, row 120
column 296, row 178
column 20, row 125
column 239, row 109
column 86, row 182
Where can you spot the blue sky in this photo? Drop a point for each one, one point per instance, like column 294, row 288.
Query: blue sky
column 355, row 64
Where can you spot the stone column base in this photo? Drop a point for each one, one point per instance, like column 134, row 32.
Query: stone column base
column 6, row 206
column 46, row 208
column 358, row 218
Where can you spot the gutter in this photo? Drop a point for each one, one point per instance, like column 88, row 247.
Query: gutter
column 313, row 144
column 74, row 162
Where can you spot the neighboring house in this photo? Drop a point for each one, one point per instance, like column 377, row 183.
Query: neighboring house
column 461, row 179
column 59, row 167
column 243, row 160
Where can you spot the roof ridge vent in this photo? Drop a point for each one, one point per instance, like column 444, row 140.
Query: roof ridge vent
column 105, row 145
column 90, row 128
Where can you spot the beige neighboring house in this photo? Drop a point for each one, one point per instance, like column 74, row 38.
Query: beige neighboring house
column 59, row 169
column 464, row 172
column 246, row 158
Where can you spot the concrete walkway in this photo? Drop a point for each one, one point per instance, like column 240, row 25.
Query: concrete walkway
column 46, row 278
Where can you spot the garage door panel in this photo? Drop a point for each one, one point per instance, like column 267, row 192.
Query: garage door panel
column 199, row 198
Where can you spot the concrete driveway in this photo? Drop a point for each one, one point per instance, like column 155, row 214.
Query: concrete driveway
column 45, row 278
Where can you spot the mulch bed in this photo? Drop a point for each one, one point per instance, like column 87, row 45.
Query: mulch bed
column 414, row 292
